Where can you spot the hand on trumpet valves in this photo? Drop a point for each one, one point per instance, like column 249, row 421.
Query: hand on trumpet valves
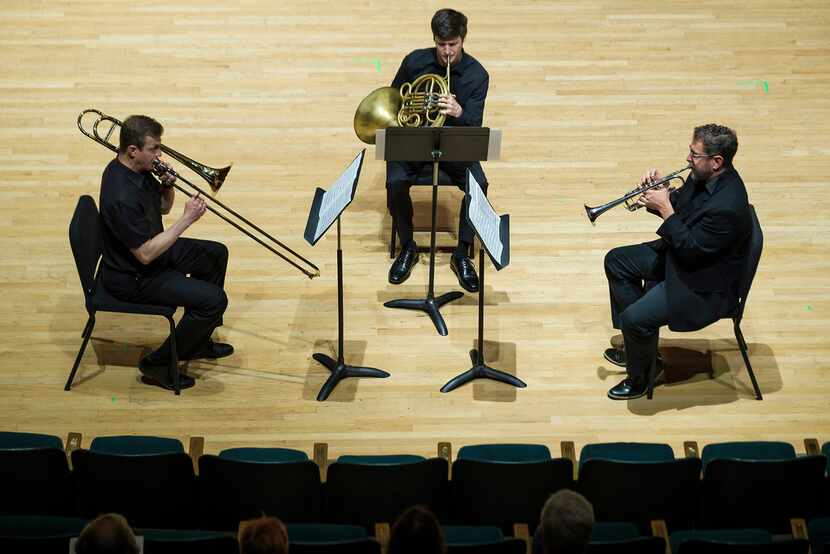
column 194, row 209
column 449, row 105
column 656, row 199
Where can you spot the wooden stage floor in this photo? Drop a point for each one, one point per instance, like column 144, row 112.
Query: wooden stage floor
column 588, row 94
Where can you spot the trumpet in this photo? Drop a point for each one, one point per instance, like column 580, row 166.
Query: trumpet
column 628, row 199
column 215, row 178
column 415, row 104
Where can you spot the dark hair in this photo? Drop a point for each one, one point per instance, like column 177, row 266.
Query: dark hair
column 416, row 532
column 263, row 535
column 717, row 140
column 107, row 534
column 448, row 24
column 567, row 520
column 135, row 129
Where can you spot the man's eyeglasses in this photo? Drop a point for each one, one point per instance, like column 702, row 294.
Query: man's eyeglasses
column 695, row 156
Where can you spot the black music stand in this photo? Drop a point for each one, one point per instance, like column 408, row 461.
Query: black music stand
column 433, row 144
column 326, row 207
column 494, row 237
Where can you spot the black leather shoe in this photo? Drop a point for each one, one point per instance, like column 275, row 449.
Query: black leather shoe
column 628, row 389
column 465, row 271
column 212, row 350
column 159, row 375
column 403, row 264
column 617, row 357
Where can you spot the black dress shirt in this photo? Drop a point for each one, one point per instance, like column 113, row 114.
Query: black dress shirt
column 468, row 81
column 130, row 205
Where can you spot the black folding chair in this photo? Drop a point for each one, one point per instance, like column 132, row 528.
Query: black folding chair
column 753, row 257
column 86, row 242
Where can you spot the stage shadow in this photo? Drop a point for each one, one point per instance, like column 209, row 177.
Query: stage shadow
column 346, row 390
column 704, row 372
column 120, row 356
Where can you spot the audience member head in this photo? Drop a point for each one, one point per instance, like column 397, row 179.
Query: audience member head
column 263, row 535
column 567, row 520
column 107, row 534
column 416, row 532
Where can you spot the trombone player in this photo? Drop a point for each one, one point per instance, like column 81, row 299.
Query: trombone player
column 145, row 263
column 464, row 106
column 695, row 263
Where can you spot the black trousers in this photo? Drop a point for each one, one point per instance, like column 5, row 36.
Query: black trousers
column 638, row 312
column 401, row 175
column 193, row 277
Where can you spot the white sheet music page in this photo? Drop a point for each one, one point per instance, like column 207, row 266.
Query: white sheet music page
column 485, row 219
column 338, row 196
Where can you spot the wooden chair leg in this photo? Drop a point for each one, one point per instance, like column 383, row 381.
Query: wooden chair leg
column 90, row 324
column 739, row 336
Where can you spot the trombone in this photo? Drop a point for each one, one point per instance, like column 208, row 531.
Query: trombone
column 214, row 177
column 596, row 211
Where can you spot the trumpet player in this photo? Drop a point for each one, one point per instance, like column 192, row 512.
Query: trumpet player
column 147, row 264
column 463, row 106
column 694, row 266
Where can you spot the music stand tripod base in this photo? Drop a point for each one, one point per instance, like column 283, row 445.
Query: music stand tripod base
column 430, row 305
column 339, row 371
column 480, row 370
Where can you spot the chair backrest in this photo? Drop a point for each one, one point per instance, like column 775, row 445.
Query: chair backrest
column 36, row 481
column 787, row 546
column 233, row 490
column 504, row 493
column 264, row 455
column 639, row 492
column 747, row 450
column 750, row 266
column 85, row 239
column 10, row 440
column 155, row 491
column 626, row 452
column 765, row 494
column 366, row 494
column 163, row 541
column 638, row 545
column 135, row 445
column 323, row 538
column 819, row 532
column 505, row 452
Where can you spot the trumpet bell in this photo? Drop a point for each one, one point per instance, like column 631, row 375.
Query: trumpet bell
column 378, row 110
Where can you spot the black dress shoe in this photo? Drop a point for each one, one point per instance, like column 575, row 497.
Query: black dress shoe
column 629, row 389
column 465, row 271
column 159, row 375
column 617, row 357
column 403, row 264
column 212, row 350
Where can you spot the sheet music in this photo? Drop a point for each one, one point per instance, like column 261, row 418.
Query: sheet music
column 485, row 220
column 338, row 196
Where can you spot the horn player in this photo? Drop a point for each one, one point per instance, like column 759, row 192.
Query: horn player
column 145, row 263
column 464, row 106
